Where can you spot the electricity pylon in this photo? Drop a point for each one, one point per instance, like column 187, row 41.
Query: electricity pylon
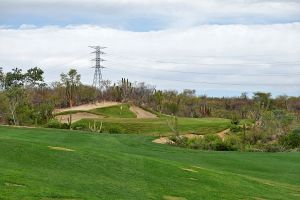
column 97, row 82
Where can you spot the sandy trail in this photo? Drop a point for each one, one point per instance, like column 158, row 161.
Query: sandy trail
column 88, row 106
column 77, row 116
column 141, row 113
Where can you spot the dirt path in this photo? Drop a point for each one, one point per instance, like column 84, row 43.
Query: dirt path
column 78, row 116
column 88, row 106
column 141, row 113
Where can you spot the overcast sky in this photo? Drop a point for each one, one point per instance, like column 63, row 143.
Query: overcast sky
column 219, row 48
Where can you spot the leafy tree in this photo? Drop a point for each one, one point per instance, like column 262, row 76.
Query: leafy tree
column 34, row 77
column 14, row 83
column 4, row 102
column 71, row 81
column 263, row 100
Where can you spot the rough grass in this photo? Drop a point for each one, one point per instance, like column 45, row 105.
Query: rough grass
column 132, row 167
column 159, row 126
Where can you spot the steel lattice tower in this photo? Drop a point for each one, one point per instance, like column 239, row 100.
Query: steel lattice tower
column 97, row 82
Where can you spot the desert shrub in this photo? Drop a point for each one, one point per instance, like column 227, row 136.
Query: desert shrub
column 115, row 130
column 234, row 120
column 233, row 143
column 65, row 126
column 53, row 123
column 254, row 136
column 269, row 147
column 180, row 141
column 80, row 126
column 235, row 128
column 291, row 140
column 212, row 142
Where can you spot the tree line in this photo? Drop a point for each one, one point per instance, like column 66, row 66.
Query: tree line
column 26, row 99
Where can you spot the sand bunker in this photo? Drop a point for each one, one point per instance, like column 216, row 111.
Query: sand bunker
column 163, row 140
column 87, row 106
column 141, row 113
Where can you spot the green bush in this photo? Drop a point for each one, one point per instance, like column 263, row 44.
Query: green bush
column 291, row 140
column 235, row 128
column 53, row 123
column 180, row 141
column 83, row 126
column 210, row 142
column 233, row 143
column 115, row 130
column 65, row 126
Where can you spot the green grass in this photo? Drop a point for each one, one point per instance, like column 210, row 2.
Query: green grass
column 131, row 167
column 119, row 111
column 109, row 112
column 159, row 126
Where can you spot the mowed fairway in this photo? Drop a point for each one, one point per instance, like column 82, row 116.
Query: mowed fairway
column 59, row 165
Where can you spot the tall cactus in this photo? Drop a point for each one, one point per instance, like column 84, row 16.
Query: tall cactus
column 205, row 111
column 95, row 128
column 126, row 88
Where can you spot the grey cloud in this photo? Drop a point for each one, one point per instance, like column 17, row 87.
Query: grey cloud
column 148, row 56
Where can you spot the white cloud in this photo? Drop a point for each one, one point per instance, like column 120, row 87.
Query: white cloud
column 145, row 56
column 171, row 13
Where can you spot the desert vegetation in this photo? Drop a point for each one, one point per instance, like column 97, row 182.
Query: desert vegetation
column 257, row 122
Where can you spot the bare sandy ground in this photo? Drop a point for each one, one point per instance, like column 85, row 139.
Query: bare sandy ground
column 88, row 106
column 141, row 113
column 223, row 134
column 77, row 116
column 163, row 140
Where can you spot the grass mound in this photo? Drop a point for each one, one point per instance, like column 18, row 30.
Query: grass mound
column 119, row 111
column 132, row 167
column 157, row 126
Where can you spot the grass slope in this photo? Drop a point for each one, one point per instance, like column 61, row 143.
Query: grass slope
column 119, row 111
column 131, row 167
column 159, row 126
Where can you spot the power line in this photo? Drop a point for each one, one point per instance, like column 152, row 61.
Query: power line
column 214, row 74
column 218, row 83
column 209, row 64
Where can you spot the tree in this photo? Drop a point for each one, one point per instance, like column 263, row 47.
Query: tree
column 159, row 97
column 71, row 81
column 4, row 103
column 263, row 100
column 14, row 87
column 1, row 78
column 34, row 77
